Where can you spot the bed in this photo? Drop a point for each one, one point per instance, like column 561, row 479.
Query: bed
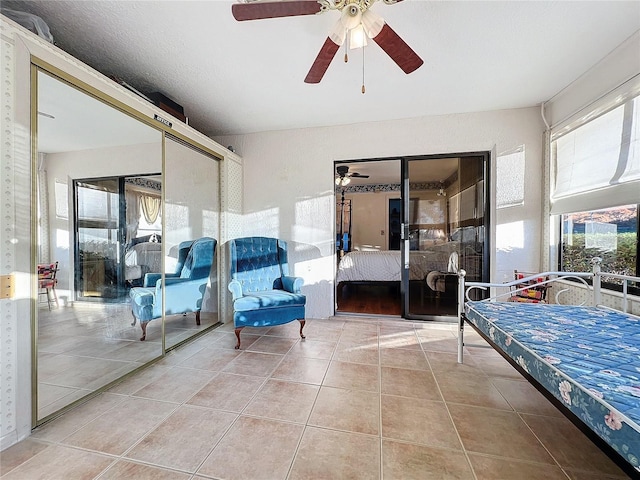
column 140, row 259
column 385, row 265
column 585, row 359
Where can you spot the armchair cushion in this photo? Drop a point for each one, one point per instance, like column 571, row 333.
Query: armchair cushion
column 184, row 289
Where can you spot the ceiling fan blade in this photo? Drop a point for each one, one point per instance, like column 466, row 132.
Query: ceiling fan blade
column 259, row 10
column 322, row 61
column 397, row 49
column 358, row 175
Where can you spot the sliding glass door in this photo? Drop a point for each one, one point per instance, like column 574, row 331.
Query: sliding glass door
column 443, row 231
column 99, row 272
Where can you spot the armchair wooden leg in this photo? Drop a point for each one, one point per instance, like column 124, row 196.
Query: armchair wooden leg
column 238, row 330
column 134, row 319
column 143, row 325
column 198, row 317
column 302, row 322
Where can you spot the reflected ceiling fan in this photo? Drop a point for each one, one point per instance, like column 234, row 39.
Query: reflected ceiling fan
column 344, row 177
column 356, row 23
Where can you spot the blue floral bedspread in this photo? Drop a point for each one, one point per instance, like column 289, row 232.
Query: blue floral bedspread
column 587, row 357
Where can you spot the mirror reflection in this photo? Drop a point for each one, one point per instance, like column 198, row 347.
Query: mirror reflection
column 192, row 206
column 99, row 189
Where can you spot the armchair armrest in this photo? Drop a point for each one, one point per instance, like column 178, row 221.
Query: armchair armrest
column 150, row 279
column 235, row 288
column 292, row 284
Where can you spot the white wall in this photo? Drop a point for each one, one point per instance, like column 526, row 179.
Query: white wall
column 289, row 182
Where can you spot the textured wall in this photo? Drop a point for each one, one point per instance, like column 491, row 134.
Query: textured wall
column 289, row 182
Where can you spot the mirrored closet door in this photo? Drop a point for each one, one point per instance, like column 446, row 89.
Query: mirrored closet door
column 191, row 240
column 98, row 189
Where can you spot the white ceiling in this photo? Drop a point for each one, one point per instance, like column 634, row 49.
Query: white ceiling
column 240, row 77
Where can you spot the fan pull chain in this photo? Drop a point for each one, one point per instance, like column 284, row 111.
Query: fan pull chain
column 346, row 48
column 363, row 89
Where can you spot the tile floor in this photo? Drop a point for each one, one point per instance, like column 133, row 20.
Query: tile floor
column 359, row 399
column 85, row 346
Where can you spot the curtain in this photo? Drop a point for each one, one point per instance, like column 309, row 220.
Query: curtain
column 150, row 207
column 132, row 199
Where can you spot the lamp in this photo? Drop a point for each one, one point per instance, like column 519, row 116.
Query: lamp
column 441, row 192
column 343, row 181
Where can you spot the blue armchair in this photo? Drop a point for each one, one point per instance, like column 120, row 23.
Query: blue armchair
column 184, row 289
column 263, row 292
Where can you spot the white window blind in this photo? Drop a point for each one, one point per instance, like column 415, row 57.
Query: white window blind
column 597, row 165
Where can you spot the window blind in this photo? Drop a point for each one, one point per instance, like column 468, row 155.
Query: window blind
column 597, row 165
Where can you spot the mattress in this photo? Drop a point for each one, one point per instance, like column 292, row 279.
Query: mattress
column 385, row 265
column 587, row 357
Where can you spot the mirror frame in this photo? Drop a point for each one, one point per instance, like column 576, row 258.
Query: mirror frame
column 37, row 65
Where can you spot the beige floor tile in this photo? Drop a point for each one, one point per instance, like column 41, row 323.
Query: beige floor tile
column 210, row 358
column 569, row 446
column 499, row 367
column 118, row 429
column 448, row 344
column 177, row 385
column 254, row 449
column 409, row 383
column 444, row 363
column 470, row 389
column 404, row 358
column 495, row 468
column 184, row 439
column 350, row 410
column 399, row 339
column 403, row 461
column 58, row 462
column 63, row 426
column 524, row 398
column 130, row 470
column 19, row 453
column 268, row 344
column 295, row 368
column 321, row 333
column 352, row 376
column 418, row 421
column 313, row 349
column 140, row 379
column 328, row 454
column 497, row 432
column 254, row 363
column 227, row 391
column 280, row 400
column 355, row 352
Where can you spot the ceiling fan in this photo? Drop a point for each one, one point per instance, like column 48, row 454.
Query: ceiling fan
column 344, row 177
column 356, row 23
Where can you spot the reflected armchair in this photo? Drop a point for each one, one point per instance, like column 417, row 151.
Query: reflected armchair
column 263, row 292
column 184, row 289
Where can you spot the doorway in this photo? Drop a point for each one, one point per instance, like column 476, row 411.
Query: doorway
column 414, row 222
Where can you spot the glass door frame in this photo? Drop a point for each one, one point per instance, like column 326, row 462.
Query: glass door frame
column 406, row 221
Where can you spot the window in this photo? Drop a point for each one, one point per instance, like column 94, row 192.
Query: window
column 596, row 192
column 610, row 233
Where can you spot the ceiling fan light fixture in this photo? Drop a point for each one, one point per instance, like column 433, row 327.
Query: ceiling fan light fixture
column 357, row 37
column 343, row 181
column 338, row 33
column 372, row 23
